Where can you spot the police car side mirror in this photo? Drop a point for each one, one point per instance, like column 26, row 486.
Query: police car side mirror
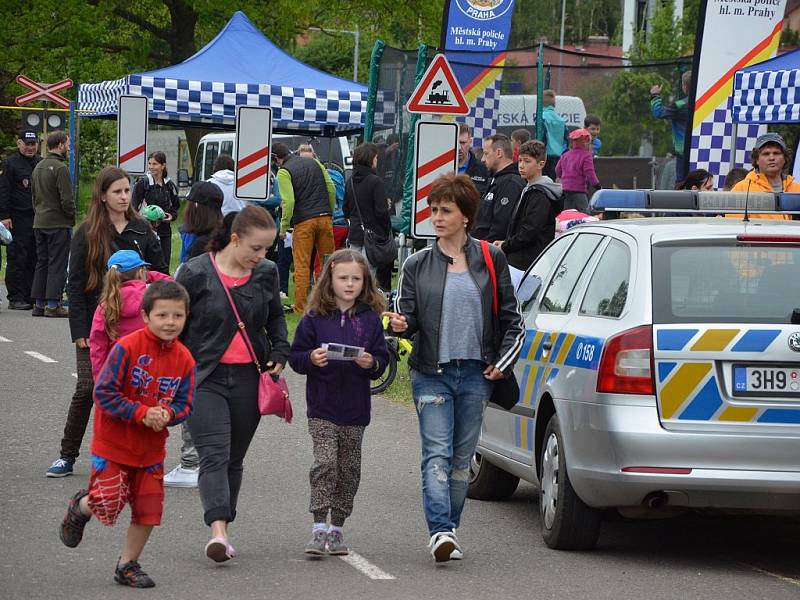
column 183, row 178
column 528, row 290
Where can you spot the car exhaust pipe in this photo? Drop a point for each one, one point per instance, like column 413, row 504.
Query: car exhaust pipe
column 656, row 500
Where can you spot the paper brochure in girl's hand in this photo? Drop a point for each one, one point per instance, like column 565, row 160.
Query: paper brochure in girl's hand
column 343, row 351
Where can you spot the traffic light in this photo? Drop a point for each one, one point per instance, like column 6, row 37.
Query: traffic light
column 34, row 119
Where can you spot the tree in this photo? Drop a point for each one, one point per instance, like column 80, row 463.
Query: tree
column 625, row 108
column 541, row 19
column 99, row 40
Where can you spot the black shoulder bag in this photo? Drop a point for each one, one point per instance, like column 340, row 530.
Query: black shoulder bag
column 380, row 253
column 506, row 391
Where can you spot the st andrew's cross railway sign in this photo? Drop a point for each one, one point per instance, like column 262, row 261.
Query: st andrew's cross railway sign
column 43, row 91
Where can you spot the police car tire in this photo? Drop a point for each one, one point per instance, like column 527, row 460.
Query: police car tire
column 488, row 482
column 576, row 526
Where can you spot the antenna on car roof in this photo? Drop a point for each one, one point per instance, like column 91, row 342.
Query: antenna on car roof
column 746, row 198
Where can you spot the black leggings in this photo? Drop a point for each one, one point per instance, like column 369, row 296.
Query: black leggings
column 80, row 408
column 166, row 247
column 223, row 423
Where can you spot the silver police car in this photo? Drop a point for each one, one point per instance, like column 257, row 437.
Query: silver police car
column 660, row 371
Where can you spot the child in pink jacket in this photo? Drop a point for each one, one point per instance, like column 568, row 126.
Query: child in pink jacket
column 119, row 311
column 575, row 171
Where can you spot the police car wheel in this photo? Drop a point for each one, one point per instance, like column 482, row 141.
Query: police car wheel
column 567, row 523
column 488, row 482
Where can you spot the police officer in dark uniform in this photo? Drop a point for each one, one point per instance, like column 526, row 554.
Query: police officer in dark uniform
column 505, row 188
column 16, row 213
column 468, row 163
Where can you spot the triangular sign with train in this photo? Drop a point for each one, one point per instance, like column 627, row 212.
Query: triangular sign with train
column 438, row 92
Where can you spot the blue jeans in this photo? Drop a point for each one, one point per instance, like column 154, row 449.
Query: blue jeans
column 450, row 408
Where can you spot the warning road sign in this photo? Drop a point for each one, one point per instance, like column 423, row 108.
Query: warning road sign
column 132, row 134
column 253, row 141
column 435, row 154
column 438, row 92
column 43, row 91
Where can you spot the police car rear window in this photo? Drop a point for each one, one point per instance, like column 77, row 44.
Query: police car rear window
column 725, row 283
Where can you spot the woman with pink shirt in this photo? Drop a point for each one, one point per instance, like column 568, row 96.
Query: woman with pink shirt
column 226, row 414
column 575, row 171
column 119, row 311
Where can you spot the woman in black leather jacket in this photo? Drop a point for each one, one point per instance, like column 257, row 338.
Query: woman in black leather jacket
column 226, row 411
column 111, row 224
column 467, row 336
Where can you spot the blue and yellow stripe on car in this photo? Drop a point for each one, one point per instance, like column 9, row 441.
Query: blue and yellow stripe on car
column 715, row 340
column 523, row 432
column 541, row 367
column 690, row 390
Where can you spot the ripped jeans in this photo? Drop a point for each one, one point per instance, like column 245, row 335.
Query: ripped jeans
column 450, row 408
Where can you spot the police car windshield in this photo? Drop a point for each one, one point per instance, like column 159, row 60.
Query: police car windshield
column 725, row 283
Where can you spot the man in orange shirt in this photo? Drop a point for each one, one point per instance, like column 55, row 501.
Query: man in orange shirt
column 770, row 160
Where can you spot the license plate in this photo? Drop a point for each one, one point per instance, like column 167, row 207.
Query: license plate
column 749, row 380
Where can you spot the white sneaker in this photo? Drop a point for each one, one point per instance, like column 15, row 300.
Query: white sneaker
column 457, row 553
column 180, row 477
column 442, row 545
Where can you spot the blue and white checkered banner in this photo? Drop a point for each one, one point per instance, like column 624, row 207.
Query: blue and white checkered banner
column 182, row 101
column 766, row 96
column 711, row 145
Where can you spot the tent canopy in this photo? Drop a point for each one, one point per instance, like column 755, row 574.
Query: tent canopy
column 768, row 92
column 240, row 66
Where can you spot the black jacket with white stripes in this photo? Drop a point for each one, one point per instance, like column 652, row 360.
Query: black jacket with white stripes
column 421, row 294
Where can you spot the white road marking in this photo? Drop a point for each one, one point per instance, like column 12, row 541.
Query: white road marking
column 41, row 357
column 360, row 563
column 5, row 339
column 778, row 576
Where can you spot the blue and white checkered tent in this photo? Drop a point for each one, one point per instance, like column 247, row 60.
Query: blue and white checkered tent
column 240, row 66
column 768, row 92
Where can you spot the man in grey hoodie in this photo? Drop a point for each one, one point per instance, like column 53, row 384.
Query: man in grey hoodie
column 533, row 222
column 224, row 179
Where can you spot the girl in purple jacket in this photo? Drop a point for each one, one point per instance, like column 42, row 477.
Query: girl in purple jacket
column 575, row 171
column 344, row 309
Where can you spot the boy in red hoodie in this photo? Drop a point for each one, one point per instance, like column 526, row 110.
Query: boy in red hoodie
column 146, row 384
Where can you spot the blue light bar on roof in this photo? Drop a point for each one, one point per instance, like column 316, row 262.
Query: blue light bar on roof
column 693, row 202
column 619, row 200
column 789, row 202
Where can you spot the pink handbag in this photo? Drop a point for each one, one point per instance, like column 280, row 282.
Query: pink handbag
column 273, row 394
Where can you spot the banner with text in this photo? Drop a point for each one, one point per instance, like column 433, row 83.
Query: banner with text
column 483, row 26
column 732, row 34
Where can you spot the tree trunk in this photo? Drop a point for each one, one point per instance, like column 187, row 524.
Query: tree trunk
column 181, row 38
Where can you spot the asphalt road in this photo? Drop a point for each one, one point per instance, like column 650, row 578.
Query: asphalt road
column 689, row 557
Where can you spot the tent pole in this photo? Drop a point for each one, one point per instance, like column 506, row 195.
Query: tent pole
column 734, row 132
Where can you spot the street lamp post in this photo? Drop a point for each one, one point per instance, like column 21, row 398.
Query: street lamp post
column 561, row 43
column 356, row 35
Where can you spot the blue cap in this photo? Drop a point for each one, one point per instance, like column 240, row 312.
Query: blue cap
column 769, row 138
column 126, row 260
